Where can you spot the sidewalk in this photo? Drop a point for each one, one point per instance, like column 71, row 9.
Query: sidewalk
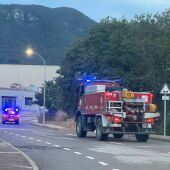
column 160, row 138
column 54, row 126
column 34, row 122
column 13, row 159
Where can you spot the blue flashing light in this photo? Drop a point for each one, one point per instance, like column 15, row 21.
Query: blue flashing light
column 17, row 109
column 88, row 80
column 6, row 109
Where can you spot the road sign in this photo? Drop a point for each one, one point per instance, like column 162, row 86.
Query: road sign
column 165, row 97
column 165, row 89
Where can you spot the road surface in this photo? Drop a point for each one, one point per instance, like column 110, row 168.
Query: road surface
column 60, row 149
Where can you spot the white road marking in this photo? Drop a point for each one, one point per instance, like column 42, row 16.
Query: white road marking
column 11, row 133
column 103, row 163
column 168, row 152
column 23, row 136
column 57, row 146
column 9, row 152
column 20, row 166
column 31, row 138
column 67, row 149
column 116, row 143
column 78, row 153
column 69, row 134
column 48, row 143
column 89, row 157
column 17, row 135
column 61, row 138
column 39, row 140
column 149, row 146
column 115, row 169
column 12, row 128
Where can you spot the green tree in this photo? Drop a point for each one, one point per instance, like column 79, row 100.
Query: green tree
column 137, row 50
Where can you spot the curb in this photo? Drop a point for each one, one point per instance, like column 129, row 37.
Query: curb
column 47, row 125
column 32, row 163
column 160, row 138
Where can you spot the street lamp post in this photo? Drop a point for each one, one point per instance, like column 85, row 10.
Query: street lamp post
column 30, row 52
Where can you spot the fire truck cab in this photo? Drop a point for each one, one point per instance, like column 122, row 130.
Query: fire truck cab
column 109, row 108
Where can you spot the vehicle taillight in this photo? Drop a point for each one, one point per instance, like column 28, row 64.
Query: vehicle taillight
column 117, row 119
column 150, row 120
column 114, row 119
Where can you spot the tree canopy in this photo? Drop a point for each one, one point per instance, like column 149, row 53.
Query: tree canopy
column 138, row 50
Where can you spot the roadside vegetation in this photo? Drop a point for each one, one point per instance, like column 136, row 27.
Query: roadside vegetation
column 138, row 50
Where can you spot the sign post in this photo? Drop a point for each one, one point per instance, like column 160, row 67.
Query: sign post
column 165, row 90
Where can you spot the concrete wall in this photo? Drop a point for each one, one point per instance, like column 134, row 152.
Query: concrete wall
column 25, row 75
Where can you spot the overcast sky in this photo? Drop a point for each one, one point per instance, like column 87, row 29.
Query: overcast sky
column 98, row 9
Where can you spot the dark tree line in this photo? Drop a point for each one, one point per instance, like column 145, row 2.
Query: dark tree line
column 138, row 50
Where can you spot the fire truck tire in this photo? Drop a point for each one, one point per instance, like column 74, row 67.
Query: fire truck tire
column 142, row 137
column 3, row 122
column 118, row 136
column 99, row 131
column 79, row 128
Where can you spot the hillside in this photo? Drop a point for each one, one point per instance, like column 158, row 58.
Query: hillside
column 48, row 30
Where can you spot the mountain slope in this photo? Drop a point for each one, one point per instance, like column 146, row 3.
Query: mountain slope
column 49, row 31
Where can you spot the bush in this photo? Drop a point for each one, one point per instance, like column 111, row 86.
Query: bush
column 168, row 125
column 61, row 116
column 160, row 127
column 50, row 114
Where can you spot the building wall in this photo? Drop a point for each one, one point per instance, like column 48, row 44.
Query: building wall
column 20, row 98
column 25, row 75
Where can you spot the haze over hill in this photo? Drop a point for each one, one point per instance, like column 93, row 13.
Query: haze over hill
column 49, row 31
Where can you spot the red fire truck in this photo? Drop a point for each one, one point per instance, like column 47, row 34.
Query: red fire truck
column 109, row 108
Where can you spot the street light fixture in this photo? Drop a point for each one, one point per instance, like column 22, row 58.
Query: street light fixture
column 30, row 52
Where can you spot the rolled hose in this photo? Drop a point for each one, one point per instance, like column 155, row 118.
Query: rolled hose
column 151, row 108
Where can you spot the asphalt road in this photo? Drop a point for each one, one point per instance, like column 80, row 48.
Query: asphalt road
column 61, row 150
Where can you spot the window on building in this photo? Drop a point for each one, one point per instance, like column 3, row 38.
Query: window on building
column 8, row 101
column 28, row 101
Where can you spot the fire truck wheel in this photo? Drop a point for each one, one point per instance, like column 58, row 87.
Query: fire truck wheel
column 3, row 122
column 99, row 131
column 118, row 136
column 79, row 128
column 142, row 137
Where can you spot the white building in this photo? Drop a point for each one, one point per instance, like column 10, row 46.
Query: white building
column 18, row 98
column 21, row 76
column 25, row 75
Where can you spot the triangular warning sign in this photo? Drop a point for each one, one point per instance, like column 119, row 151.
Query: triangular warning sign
column 165, row 89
